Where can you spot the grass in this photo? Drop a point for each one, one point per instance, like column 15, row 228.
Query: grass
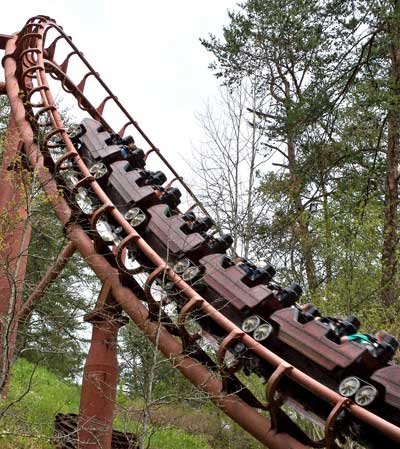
column 177, row 439
column 37, row 395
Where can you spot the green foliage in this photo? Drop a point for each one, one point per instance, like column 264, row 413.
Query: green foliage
column 176, row 439
column 173, row 404
column 211, row 426
column 52, row 336
column 36, row 396
column 138, row 361
column 330, row 88
column 288, row 47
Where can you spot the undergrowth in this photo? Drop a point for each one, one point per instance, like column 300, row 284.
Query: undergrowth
column 37, row 395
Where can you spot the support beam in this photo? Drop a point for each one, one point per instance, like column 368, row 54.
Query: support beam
column 15, row 233
column 100, row 375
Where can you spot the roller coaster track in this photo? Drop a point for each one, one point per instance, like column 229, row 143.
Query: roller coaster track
column 32, row 56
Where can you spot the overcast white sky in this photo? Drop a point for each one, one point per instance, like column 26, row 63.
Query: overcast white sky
column 148, row 52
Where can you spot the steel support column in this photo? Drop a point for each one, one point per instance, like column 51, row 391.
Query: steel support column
column 100, row 376
column 15, row 236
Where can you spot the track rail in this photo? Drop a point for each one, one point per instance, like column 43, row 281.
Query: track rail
column 31, row 59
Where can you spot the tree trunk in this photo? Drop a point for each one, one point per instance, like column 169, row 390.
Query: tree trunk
column 328, row 231
column 390, row 219
column 301, row 225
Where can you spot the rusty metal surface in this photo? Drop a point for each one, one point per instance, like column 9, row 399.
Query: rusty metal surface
column 65, row 434
column 246, row 416
column 331, row 421
column 389, row 377
column 311, row 340
column 228, row 283
column 168, row 229
column 3, row 40
column 126, row 189
column 100, row 376
column 15, row 231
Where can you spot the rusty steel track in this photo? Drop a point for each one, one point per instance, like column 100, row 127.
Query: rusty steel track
column 30, row 61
